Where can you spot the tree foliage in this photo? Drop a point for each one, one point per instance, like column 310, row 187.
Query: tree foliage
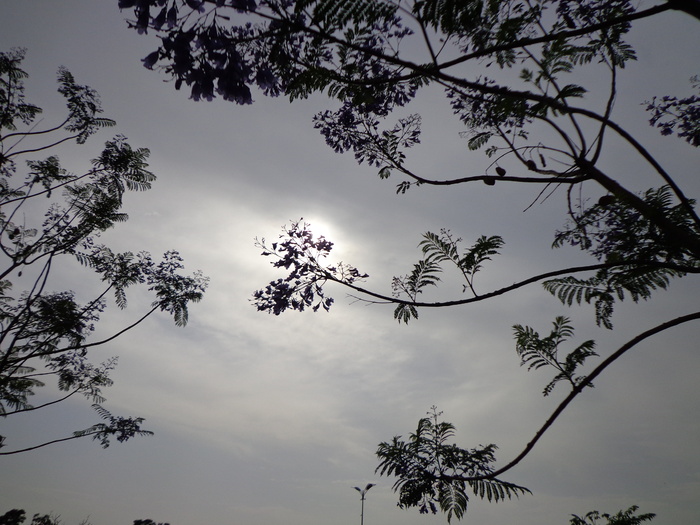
column 624, row 517
column 46, row 333
column 537, row 352
column 18, row 517
column 511, row 71
column 300, row 252
column 435, row 474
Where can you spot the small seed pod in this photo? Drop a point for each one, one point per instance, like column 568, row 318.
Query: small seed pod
column 606, row 200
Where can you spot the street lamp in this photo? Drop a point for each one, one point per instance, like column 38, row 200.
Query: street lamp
column 362, row 493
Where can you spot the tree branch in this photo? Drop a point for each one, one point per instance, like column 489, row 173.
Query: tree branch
column 691, row 7
column 47, row 444
column 506, row 289
column 579, row 388
column 32, row 408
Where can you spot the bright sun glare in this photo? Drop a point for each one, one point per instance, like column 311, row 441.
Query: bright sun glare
column 323, row 228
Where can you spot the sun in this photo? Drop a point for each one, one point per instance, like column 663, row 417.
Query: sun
column 323, row 227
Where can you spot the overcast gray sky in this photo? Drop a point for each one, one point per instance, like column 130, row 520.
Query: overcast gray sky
column 264, row 420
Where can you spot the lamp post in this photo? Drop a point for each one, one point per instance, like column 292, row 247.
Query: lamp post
column 362, row 493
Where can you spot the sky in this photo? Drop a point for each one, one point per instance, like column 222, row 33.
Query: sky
column 264, row 420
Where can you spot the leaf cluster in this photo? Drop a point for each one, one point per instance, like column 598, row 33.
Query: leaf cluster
column 334, row 14
column 83, row 106
column 642, row 256
column 624, row 517
column 678, row 115
column 120, row 428
column 434, row 474
column 301, row 253
column 538, row 352
column 204, row 51
column 12, row 99
column 344, row 131
column 351, row 49
column 439, row 249
column 18, row 516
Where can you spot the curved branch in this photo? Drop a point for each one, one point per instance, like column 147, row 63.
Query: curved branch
column 579, row 388
column 563, row 35
column 32, row 296
column 598, row 142
column 93, row 171
column 462, row 180
column 101, row 342
column 49, row 403
column 441, row 77
column 690, row 7
column 555, row 84
column 41, row 148
column 418, row 72
column 605, row 121
column 30, row 133
column 437, row 73
column 47, row 444
column 681, row 235
column 430, row 71
column 501, row 291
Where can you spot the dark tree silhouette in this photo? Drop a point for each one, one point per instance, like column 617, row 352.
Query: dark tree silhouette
column 536, row 128
column 18, row 516
column 44, row 333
